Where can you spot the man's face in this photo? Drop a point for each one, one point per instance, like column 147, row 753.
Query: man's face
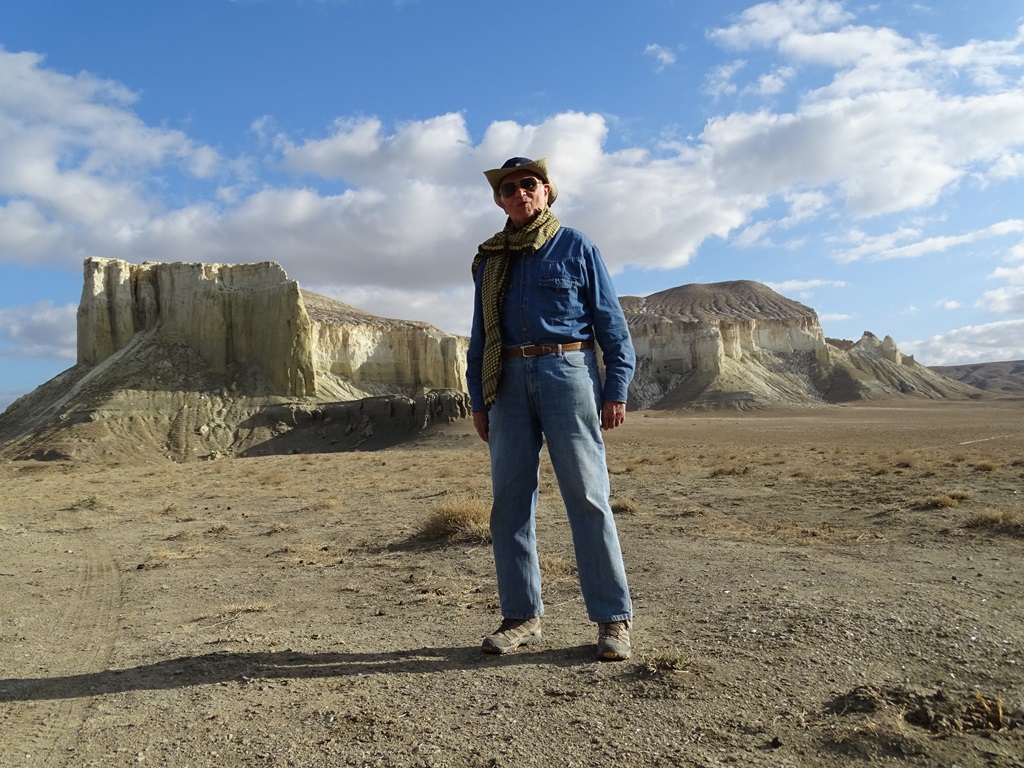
column 522, row 205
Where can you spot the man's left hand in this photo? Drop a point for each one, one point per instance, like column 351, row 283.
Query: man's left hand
column 612, row 414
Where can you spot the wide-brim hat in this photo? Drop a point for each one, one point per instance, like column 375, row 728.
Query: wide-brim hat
column 513, row 164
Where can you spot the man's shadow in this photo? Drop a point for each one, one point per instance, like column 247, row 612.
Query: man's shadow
column 245, row 668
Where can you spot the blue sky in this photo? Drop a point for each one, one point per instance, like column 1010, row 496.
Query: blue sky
column 866, row 159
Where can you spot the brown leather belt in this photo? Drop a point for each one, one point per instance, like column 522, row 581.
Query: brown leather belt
column 545, row 349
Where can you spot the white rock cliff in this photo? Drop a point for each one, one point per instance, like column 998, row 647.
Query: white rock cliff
column 238, row 317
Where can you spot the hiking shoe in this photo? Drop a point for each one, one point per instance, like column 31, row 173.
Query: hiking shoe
column 613, row 641
column 511, row 634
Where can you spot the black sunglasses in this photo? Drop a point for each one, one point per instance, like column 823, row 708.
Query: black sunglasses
column 509, row 187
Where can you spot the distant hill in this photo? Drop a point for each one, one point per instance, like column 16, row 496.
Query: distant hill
column 1005, row 378
column 188, row 361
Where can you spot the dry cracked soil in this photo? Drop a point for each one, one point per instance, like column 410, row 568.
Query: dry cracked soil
column 818, row 587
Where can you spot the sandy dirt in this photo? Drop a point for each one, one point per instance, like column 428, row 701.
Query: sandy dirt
column 821, row 587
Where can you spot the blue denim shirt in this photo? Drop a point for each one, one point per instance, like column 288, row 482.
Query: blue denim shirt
column 559, row 294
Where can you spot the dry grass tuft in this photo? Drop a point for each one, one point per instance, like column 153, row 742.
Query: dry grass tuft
column 624, row 505
column 275, row 477
column 986, row 465
column 997, row 521
column 733, row 469
column 905, row 460
column 279, row 527
column 88, row 502
column 557, row 565
column 940, row 501
column 458, row 519
column 234, row 610
column 664, row 663
column 943, row 500
column 324, row 505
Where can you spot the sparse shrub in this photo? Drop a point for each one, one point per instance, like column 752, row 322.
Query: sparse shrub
column 986, row 466
column 556, row 565
column 458, row 518
column 942, row 501
column 274, row 477
column 997, row 521
column 624, row 505
column 234, row 610
column 664, row 663
column 904, row 460
column 279, row 527
column 730, row 470
column 89, row 502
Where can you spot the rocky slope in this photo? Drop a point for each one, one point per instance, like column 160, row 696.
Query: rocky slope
column 191, row 360
column 741, row 344
column 187, row 360
column 1001, row 378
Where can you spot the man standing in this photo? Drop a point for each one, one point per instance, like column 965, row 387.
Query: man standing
column 543, row 298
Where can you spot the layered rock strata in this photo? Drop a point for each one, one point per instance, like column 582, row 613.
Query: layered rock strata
column 741, row 344
column 194, row 360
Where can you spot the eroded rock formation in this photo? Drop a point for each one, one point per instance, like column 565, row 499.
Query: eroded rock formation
column 197, row 360
column 191, row 360
column 741, row 344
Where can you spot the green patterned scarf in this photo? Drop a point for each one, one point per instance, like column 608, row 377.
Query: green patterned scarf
column 497, row 250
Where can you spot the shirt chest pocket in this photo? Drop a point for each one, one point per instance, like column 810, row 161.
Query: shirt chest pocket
column 559, row 295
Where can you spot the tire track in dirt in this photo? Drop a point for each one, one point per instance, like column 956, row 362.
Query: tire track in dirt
column 76, row 589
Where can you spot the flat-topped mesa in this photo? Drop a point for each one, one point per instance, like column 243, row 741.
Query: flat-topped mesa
column 739, row 343
column 240, row 317
column 729, row 343
column 230, row 314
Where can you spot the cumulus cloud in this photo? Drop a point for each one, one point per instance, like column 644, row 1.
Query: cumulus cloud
column 662, row 55
column 794, row 286
column 388, row 214
column 41, row 330
column 971, row 344
column 889, row 132
column 887, row 246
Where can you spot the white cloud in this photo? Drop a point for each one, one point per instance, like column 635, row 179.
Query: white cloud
column 40, row 330
column 885, row 247
column 719, row 81
column 774, row 82
column 768, row 22
column 662, row 55
column 889, row 132
column 992, row 342
column 75, row 160
column 792, row 286
column 1007, row 299
column 949, row 304
column 390, row 214
column 448, row 310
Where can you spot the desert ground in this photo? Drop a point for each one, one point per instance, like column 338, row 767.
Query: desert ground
column 827, row 586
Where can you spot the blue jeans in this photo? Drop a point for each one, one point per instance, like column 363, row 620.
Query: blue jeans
column 556, row 397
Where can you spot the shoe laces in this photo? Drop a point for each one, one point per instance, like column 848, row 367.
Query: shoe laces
column 515, row 627
column 615, row 630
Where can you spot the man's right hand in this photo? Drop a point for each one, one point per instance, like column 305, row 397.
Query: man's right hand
column 482, row 423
